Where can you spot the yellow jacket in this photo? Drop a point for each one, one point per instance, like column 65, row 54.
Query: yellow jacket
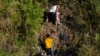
column 48, row 42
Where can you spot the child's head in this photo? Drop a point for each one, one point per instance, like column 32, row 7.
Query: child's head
column 52, row 32
column 47, row 35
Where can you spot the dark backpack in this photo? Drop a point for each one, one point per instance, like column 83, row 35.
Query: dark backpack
column 62, row 36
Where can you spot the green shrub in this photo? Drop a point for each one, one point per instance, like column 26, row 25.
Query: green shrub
column 23, row 19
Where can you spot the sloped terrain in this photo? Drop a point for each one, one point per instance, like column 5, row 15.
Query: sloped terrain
column 21, row 34
column 62, row 46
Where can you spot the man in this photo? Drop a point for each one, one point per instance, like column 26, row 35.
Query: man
column 52, row 17
column 48, row 45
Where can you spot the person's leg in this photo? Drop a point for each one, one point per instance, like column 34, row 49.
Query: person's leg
column 50, row 16
column 55, row 18
column 52, row 53
column 48, row 51
column 45, row 17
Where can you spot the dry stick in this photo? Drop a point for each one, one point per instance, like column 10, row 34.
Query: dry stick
column 75, row 42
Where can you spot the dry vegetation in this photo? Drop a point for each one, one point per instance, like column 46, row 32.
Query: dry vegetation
column 20, row 27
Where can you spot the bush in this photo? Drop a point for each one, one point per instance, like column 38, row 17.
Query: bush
column 21, row 22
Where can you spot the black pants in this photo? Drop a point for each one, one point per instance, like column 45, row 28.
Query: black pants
column 45, row 16
column 52, row 17
column 50, row 52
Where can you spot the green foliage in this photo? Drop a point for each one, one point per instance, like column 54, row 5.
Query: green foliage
column 20, row 21
column 97, row 40
column 87, row 50
column 98, row 7
column 34, row 16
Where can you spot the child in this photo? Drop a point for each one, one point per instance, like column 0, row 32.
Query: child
column 57, row 18
column 48, row 45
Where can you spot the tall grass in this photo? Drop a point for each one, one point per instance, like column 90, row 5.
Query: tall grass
column 19, row 23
